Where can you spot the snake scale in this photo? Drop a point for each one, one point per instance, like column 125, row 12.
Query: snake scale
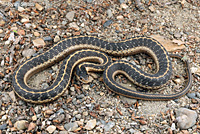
column 76, row 50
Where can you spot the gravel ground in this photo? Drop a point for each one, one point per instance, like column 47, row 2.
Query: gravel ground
column 28, row 28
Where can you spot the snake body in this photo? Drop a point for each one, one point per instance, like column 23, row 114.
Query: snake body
column 78, row 49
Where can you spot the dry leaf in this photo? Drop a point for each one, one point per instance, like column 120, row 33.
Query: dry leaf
column 168, row 44
column 178, row 42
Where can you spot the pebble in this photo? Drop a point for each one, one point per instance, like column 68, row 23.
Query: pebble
column 121, row 1
column 36, row 34
column 186, row 118
column 38, row 42
column 109, row 125
column 4, row 117
column 28, row 52
column 191, row 95
column 74, row 26
column 17, row 4
column 198, row 94
column 109, row 13
column 3, row 126
column 90, row 124
column 123, row 6
column 47, row 38
column 61, row 111
column 107, row 23
column 86, row 87
column 70, row 15
column 1, row 31
column 78, row 116
column 39, row 7
column 2, row 22
column 12, row 96
column 51, row 129
column 20, row 9
column 177, row 35
column 173, row 126
column 152, row 8
column 23, row 20
column 71, row 126
column 128, row 100
column 20, row 125
column 34, row 118
column 120, row 17
column 56, row 39
column 31, row 126
column 178, row 81
column 63, row 132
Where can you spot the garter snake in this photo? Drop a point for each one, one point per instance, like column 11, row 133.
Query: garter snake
column 78, row 49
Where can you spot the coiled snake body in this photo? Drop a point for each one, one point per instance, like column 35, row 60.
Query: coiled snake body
column 75, row 50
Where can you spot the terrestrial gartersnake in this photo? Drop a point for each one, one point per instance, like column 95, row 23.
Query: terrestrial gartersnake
column 75, row 50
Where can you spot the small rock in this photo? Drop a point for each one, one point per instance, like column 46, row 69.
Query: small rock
column 31, row 126
column 12, row 96
column 198, row 94
column 128, row 100
column 78, row 116
column 102, row 93
column 63, row 132
column 39, row 42
column 194, row 69
column 123, row 6
column 152, row 8
column 28, row 52
column 1, row 31
column 38, row 7
column 132, row 131
column 186, row 118
column 34, row 118
column 44, row 85
column 4, row 118
column 178, row 81
column 120, row 17
column 56, row 39
column 74, row 26
column 107, row 23
column 2, row 22
column 90, row 124
column 121, row 1
column 49, row 112
column 85, row 113
column 17, row 4
column 36, row 34
column 28, row 25
column 23, row 20
column 64, row 22
column 109, row 13
column 177, row 35
column 86, row 87
column 70, row 15
column 48, row 38
column 51, row 128
column 191, row 95
column 20, row 9
column 20, row 125
column 72, row 89
column 71, row 126
column 109, row 125
column 173, row 126
column 80, row 123
column 61, row 111
column 3, row 126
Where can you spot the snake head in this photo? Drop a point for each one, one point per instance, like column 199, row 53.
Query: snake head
column 81, row 74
